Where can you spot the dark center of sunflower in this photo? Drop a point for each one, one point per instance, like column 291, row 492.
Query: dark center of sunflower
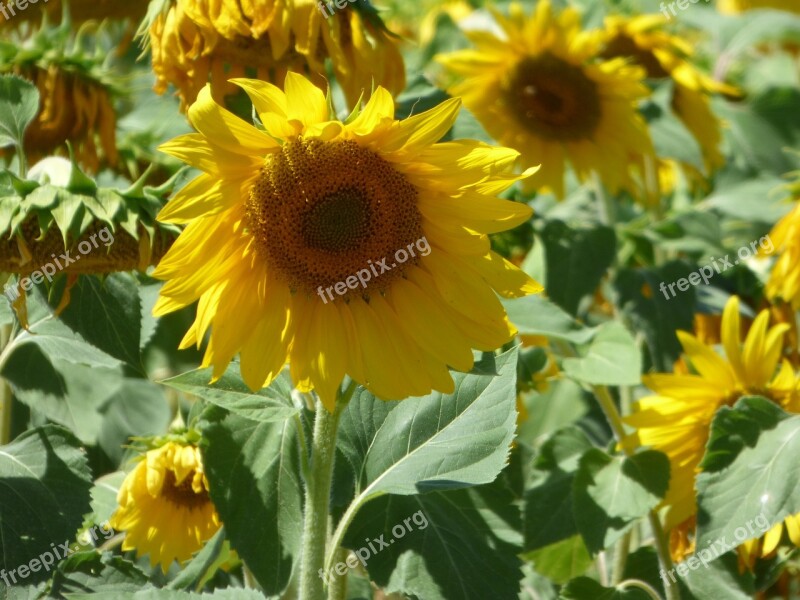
column 622, row 46
column 553, row 98
column 182, row 494
column 320, row 212
column 339, row 221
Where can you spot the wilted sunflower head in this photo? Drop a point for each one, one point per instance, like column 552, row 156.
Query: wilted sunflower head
column 540, row 88
column 164, row 506
column 194, row 41
column 357, row 247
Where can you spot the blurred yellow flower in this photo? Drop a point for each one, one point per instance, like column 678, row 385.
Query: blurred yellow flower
column 282, row 218
column 738, row 6
column 541, row 89
column 664, row 56
column 164, row 507
column 197, row 40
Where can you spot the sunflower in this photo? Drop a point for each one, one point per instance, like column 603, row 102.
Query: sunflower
column 164, row 507
column 738, row 6
column 356, row 247
column 643, row 40
column 784, row 279
column 194, row 40
column 676, row 420
column 74, row 108
column 542, row 90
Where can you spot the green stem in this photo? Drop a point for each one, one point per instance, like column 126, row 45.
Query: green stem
column 648, row 589
column 620, row 558
column 6, row 397
column 605, row 205
column 337, row 590
column 662, row 550
column 23, row 166
column 318, row 494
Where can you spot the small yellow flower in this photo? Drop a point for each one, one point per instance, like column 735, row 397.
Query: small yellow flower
column 164, row 507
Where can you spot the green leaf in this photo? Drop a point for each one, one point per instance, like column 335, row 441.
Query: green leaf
column 458, row 544
column 104, row 574
column 562, row 561
column 671, row 138
column 576, row 261
column 58, row 342
column 204, row 563
column 656, row 316
column 104, row 495
column 253, row 468
column 107, row 314
column 611, row 359
column 536, row 315
column 272, row 403
column 70, row 394
column 736, row 200
column 435, row 442
column 750, row 472
column 44, row 493
column 19, row 102
column 548, row 504
column 137, row 408
column 611, row 493
column 164, row 594
column 584, row 588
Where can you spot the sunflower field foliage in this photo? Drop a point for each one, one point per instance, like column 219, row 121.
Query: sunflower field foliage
column 388, row 299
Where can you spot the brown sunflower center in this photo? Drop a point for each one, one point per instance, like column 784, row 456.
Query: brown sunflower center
column 553, row 98
column 320, row 212
column 621, row 46
column 182, row 494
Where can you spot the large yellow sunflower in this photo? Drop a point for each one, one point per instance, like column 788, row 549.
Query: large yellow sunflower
column 356, row 247
column 643, row 40
column 542, row 90
column 164, row 507
column 676, row 420
column 197, row 40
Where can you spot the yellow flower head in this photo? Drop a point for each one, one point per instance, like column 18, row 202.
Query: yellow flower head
column 356, row 247
column 738, row 6
column 784, row 280
column 676, row 420
column 643, row 40
column 542, row 90
column 164, row 507
column 197, row 40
